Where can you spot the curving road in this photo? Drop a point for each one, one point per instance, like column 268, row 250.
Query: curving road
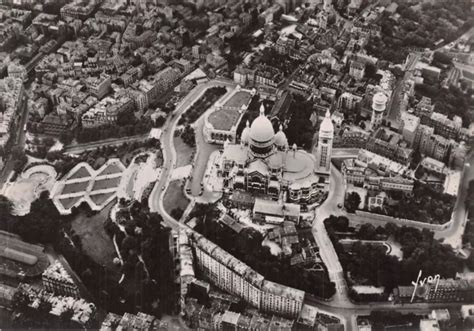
column 326, row 248
column 453, row 234
column 169, row 152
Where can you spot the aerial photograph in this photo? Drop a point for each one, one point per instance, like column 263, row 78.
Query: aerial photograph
column 237, row 165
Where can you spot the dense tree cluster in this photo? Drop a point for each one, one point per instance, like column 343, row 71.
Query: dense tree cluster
column 41, row 147
column 300, row 128
column 144, row 248
column 97, row 157
column 352, row 202
column 127, row 125
column 19, row 158
column 382, row 319
column 452, row 101
column 424, row 205
column 420, row 28
column 370, row 264
column 281, row 61
column 238, row 45
column 188, row 136
column 41, row 225
column 202, row 104
column 247, row 247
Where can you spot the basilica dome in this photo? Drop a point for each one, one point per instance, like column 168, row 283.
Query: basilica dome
column 261, row 130
column 245, row 137
column 280, row 139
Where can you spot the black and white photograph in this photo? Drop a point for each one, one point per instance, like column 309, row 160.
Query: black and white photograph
column 237, row 165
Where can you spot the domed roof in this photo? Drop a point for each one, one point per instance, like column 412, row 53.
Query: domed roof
column 261, row 129
column 245, row 136
column 326, row 125
column 280, row 138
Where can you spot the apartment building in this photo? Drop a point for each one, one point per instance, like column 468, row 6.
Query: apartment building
column 234, row 276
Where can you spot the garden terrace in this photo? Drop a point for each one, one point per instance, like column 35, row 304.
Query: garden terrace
column 198, row 108
column 76, row 188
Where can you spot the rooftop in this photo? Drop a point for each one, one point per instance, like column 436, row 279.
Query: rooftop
column 270, row 207
column 57, row 271
column 308, row 315
column 283, row 291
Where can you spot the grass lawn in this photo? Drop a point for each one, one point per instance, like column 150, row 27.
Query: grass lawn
column 95, row 242
column 75, row 187
column 184, row 152
column 102, row 184
column 174, row 197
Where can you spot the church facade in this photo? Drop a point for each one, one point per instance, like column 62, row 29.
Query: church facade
column 266, row 166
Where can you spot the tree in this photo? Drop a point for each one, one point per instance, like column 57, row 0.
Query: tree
column 188, row 136
column 367, row 232
column 6, row 207
column 341, row 224
column 352, row 202
column 42, row 223
column 176, row 213
column 65, row 319
column 20, row 301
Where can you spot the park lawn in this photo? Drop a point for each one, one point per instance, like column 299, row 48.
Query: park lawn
column 184, row 152
column 95, row 242
column 174, row 197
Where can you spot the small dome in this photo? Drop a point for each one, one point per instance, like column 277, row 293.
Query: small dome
column 326, row 126
column 280, row 138
column 262, row 129
column 245, row 136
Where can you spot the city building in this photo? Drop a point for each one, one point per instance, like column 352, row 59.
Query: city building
column 357, row 70
column 128, row 321
column 379, row 104
column 429, row 325
column 186, row 261
column 267, row 75
column 307, row 319
column 409, row 129
column 7, row 294
column 275, row 212
column 443, row 125
column 434, row 145
column 376, row 173
column 235, row 277
column 106, row 111
column 79, row 9
column 99, row 86
column 348, row 100
column 389, row 144
column 58, row 281
column 17, row 70
column 83, row 312
column 11, row 100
